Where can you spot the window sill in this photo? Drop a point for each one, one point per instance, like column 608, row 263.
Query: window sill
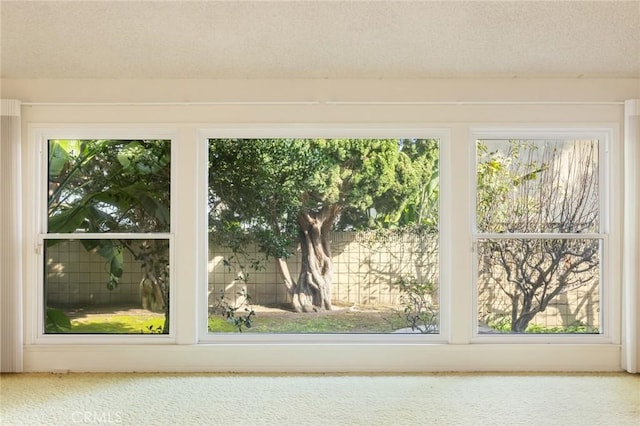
column 323, row 358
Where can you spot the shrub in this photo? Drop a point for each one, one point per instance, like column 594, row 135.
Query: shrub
column 418, row 308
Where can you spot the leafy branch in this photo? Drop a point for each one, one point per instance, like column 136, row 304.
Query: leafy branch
column 419, row 311
column 239, row 314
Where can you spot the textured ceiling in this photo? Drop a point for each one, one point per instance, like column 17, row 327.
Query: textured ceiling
column 313, row 39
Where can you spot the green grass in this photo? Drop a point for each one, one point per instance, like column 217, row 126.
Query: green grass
column 503, row 325
column 116, row 324
column 59, row 321
column 287, row 322
column 342, row 322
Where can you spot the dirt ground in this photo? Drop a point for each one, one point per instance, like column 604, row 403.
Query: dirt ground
column 285, row 310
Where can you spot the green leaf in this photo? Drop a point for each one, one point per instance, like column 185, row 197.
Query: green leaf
column 117, row 264
column 113, row 282
column 106, row 249
column 68, row 220
column 123, row 159
column 58, row 158
column 57, row 321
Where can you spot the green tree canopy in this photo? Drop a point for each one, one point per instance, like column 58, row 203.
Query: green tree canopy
column 109, row 186
column 289, row 193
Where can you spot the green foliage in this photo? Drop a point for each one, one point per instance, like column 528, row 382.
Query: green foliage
column 154, row 329
column 118, row 324
column 218, row 324
column 277, row 193
column 508, row 180
column 109, row 185
column 576, row 328
column 345, row 321
column 241, row 263
column 101, row 186
column 259, row 187
column 57, row 321
column 239, row 315
column 502, row 324
column 418, row 308
column 398, row 178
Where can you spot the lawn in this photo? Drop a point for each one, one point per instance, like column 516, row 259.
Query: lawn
column 339, row 321
column 137, row 321
column 117, row 324
column 103, row 321
column 266, row 320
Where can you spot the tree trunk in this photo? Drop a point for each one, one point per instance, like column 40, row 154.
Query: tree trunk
column 155, row 272
column 312, row 292
column 283, row 269
column 521, row 324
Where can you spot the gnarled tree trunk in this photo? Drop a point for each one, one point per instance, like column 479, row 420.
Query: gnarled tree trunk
column 312, row 292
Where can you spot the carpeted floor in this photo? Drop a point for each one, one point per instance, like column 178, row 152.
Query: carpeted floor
column 430, row 399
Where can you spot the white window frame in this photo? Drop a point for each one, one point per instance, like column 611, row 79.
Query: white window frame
column 455, row 349
column 334, row 131
column 41, row 137
column 609, row 286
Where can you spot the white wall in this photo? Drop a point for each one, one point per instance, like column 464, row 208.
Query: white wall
column 185, row 107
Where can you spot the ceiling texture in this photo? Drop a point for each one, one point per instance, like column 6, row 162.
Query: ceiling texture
column 319, row 39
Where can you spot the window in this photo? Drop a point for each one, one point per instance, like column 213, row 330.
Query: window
column 540, row 233
column 323, row 235
column 107, row 242
column 410, row 245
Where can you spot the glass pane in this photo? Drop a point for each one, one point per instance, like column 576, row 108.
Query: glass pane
column 540, row 186
column 323, row 235
column 106, row 286
column 109, row 186
column 539, row 285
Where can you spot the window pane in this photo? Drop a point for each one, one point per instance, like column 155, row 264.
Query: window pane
column 541, row 186
column 539, row 285
column 109, row 186
column 323, row 235
column 106, row 286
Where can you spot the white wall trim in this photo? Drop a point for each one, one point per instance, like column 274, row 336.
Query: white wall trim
column 324, row 358
column 335, row 91
column 631, row 251
column 325, row 102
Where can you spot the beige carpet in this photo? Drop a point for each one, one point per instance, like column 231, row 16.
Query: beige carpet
column 430, row 399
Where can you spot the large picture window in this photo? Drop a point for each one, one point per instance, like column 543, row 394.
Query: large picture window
column 540, row 235
column 323, row 235
column 106, row 246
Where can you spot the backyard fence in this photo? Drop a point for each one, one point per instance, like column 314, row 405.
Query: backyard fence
column 367, row 267
column 75, row 277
